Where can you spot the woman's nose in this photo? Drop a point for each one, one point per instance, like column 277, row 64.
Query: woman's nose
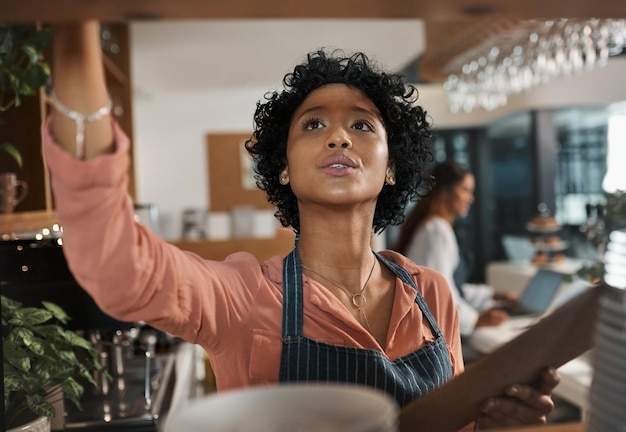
column 339, row 138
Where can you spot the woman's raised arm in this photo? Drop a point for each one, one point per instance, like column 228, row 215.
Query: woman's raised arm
column 79, row 90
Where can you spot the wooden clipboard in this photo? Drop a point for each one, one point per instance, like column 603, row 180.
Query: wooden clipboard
column 553, row 341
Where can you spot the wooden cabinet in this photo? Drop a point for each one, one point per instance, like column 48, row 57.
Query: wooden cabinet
column 22, row 128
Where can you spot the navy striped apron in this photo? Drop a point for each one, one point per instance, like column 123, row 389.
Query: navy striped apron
column 306, row 360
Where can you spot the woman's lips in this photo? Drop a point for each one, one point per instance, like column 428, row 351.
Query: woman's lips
column 338, row 170
column 338, row 165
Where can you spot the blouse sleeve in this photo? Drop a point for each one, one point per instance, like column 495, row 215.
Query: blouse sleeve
column 131, row 273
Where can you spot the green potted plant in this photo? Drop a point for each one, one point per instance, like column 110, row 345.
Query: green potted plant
column 43, row 361
column 23, row 71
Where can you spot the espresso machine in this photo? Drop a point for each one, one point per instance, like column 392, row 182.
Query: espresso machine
column 140, row 359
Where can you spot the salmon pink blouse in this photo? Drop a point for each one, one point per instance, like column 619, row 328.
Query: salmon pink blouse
column 232, row 308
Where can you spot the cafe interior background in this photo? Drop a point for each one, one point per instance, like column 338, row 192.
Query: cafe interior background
column 182, row 89
column 185, row 90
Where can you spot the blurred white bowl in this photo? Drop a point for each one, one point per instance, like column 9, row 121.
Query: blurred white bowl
column 292, row 408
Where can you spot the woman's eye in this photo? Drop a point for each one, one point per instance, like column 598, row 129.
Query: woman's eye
column 313, row 124
column 362, row 125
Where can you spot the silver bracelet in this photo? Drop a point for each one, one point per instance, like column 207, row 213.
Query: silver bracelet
column 80, row 120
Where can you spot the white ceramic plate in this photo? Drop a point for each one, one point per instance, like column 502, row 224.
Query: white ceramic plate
column 608, row 349
column 616, row 337
column 608, row 344
column 612, row 320
column 605, row 381
column 293, row 408
column 614, row 305
column 607, row 363
column 609, row 409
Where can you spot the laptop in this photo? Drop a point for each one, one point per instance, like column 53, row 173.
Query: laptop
column 518, row 248
column 538, row 294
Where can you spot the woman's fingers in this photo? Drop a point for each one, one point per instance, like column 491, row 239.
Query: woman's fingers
column 523, row 404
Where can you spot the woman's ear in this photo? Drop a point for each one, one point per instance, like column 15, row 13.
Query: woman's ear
column 283, row 178
column 390, row 177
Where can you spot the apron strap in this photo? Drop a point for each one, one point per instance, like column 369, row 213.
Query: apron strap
column 419, row 299
column 292, row 296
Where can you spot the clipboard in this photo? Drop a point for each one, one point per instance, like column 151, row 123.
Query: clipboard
column 561, row 336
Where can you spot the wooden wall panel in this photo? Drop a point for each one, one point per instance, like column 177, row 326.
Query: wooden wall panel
column 226, row 188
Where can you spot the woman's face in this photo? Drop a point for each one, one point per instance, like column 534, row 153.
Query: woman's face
column 461, row 196
column 337, row 148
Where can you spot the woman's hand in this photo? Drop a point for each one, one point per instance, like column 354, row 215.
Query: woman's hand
column 506, row 298
column 511, row 296
column 492, row 317
column 522, row 405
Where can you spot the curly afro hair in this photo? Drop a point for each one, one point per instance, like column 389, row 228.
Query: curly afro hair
column 408, row 132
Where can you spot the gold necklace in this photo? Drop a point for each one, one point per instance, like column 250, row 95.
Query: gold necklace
column 358, row 299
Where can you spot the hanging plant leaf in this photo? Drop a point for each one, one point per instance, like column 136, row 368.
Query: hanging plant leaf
column 13, row 152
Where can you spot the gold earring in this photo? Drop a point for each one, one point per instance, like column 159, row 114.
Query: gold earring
column 284, row 178
column 389, row 178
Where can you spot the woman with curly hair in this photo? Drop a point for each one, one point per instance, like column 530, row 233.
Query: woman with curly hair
column 339, row 152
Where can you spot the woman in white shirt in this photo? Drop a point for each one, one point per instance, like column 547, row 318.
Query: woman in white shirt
column 427, row 237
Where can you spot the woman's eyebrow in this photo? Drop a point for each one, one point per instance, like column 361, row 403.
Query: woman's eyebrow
column 375, row 112
column 312, row 109
column 354, row 108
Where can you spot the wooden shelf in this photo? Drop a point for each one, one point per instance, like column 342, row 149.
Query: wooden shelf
column 26, row 221
column 262, row 248
column 124, row 10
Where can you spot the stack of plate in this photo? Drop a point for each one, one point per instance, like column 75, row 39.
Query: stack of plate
column 608, row 388
column 292, row 408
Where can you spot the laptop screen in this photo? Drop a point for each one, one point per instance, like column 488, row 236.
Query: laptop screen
column 518, row 248
column 541, row 290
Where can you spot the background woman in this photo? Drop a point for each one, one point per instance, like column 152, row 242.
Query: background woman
column 427, row 238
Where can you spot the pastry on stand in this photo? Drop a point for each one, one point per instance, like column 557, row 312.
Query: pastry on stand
column 549, row 246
